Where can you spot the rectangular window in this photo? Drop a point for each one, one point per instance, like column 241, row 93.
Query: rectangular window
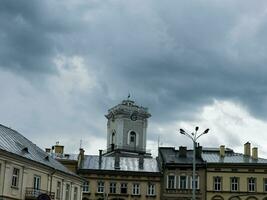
column 182, row 182
column 234, row 183
column 67, row 192
column 58, row 192
column 123, row 188
column 136, row 189
column 171, row 182
column 75, row 193
column 36, row 182
column 86, row 186
column 265, row 185
column 100, row 186
column 252, row 184
column 217, row 183
column 112, row 188
column 196, row 182
column 15, row 178
column 151, row 190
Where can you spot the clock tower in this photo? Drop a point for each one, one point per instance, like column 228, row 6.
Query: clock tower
column 126, row 129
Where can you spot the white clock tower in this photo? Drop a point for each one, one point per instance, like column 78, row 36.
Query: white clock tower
column 126, row 129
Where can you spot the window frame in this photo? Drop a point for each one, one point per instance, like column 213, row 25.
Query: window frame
column 36, row 182
column 86, row 187
column 151, row 189
column 58, row 190
column 265, row 184
column 234, row 186
column 252, row 184
column 136, row 189
column 183, row 182
column 75, row 193
column 100, row 187
column 124, row 186
column 217, row 183
column 15, row 177
column 112, row 187
column 171, row 182
column 67, row 191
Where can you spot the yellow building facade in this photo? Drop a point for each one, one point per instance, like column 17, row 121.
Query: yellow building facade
column 27, row 172
column 235, row 176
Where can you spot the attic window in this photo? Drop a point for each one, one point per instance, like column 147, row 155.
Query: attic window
column 47, row 158
column 25, row 149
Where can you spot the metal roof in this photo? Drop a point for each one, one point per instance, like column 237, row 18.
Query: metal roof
column 13, row 142
column 231, row 158
column 170, row 155
column 210, row 156
column 126, row 164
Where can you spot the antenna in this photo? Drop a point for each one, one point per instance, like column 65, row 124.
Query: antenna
column 81, row 142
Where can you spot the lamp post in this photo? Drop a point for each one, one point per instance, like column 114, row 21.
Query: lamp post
column 194, row 136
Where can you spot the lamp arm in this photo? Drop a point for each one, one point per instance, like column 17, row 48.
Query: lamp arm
column 200, row 135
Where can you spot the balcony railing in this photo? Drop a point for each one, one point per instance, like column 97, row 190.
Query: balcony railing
column 182, row 191
column 32, row 193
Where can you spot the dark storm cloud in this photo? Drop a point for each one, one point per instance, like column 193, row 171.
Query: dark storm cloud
column 174, row 57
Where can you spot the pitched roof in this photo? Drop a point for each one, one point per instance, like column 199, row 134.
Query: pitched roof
column 126, row 164
column 13, row 142
column 172, row 156
column 210, row 156
column 230, row 158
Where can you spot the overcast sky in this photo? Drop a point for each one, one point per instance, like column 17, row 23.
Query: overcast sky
column 63, row 64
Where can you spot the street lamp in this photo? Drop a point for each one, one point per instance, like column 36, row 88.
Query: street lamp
column 194, row 136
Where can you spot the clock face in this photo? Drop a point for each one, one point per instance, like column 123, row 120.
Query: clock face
column 133, row 117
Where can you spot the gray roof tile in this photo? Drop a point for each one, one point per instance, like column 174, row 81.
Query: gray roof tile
column 126, row 164
column 13, row 142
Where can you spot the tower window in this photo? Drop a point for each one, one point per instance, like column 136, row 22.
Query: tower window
column 132, row 136
column 113, row 138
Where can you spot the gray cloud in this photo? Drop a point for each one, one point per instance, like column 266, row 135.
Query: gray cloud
column 174, row 57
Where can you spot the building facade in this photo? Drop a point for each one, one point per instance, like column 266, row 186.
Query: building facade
column 235, row 176
column 27, row 172
column 176, row 167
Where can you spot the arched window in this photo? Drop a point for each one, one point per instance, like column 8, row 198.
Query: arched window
column 113, row 138
column 132, row 137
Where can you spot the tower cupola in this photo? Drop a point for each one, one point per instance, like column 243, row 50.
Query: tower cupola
column 126, row 128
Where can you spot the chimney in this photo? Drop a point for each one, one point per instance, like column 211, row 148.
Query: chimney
column 81, row 158
column 100, row 159
column 199, row 151
column 247, row 149
column 255, row 153
column 182, row 152
column 117, row 160
column 47, row 150
column 222, row 151
column 59, row 149
column 141, row 161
